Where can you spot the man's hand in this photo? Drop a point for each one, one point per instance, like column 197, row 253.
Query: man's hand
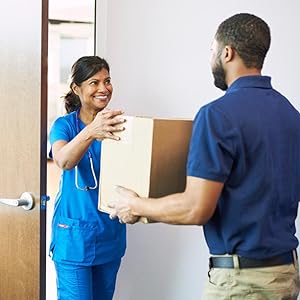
column 121, row 205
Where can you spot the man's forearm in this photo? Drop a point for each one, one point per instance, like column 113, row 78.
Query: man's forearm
column 171, row 209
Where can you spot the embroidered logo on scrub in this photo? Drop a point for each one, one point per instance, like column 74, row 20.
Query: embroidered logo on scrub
column 62, row 225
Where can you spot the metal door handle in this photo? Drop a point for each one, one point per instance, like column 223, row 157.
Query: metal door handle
column 26, row 201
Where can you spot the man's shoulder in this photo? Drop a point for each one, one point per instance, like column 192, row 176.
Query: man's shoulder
column 217, row 104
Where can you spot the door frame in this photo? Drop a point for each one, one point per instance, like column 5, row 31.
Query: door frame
column 43, row 149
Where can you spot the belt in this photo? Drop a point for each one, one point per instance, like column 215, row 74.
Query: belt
column 227, row 262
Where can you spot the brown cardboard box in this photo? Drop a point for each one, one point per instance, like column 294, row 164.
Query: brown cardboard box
column 150, row 158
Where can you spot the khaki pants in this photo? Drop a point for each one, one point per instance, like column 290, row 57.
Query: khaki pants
column 271, row 283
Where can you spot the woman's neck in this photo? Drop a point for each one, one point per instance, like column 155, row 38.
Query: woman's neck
column 86, row 116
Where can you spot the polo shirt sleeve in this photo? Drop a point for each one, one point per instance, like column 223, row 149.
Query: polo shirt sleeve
column 212, row 149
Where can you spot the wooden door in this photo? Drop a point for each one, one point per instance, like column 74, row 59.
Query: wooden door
column 23, row 144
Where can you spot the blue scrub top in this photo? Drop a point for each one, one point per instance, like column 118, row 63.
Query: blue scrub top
column 249, row 139
column 81, row 234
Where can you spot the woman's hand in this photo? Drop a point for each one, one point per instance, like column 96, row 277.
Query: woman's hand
column 106, row 123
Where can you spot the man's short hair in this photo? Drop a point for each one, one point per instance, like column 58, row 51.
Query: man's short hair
column 249, row 35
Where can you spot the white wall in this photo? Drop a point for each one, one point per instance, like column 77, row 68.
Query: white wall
column 159, row 52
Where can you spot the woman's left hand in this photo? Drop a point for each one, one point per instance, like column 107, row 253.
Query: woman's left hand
column 106, row 123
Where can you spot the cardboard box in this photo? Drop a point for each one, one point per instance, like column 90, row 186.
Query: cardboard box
column 150, row 158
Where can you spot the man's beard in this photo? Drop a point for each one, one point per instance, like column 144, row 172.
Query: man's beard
column 219, row 76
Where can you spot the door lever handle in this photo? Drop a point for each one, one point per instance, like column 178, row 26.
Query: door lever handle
column 26, row 201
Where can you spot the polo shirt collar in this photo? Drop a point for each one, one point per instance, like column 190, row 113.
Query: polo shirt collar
column 257, row 81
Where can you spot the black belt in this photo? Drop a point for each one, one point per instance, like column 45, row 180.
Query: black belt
column 227, row 261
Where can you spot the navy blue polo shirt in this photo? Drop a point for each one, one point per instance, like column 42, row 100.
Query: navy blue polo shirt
column 249, row 139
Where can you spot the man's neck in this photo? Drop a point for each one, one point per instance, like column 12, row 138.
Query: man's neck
column 241, row 72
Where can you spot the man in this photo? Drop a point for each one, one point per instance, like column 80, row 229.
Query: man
column 243, row 174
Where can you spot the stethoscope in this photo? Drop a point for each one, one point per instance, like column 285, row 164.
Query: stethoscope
column 86, row 188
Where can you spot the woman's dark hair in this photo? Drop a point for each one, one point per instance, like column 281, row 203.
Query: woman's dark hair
column 83, row 69
column 249, row 35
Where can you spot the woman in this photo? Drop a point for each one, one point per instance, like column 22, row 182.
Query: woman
column 86, row 245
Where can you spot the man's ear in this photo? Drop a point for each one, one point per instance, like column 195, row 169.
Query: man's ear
column 228, row 53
